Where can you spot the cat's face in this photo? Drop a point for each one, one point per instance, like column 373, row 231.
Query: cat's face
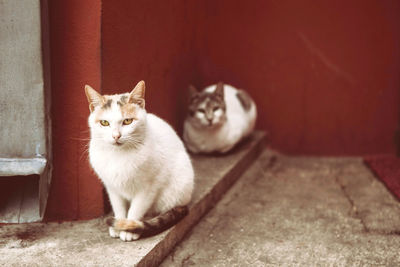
column 117, row 120
column 207, row 109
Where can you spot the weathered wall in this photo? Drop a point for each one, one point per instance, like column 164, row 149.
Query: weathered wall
column 21, row 79
column 145, row 40
column 24, row 105
column 152, row 41
column 75, row 61
column 325, row 74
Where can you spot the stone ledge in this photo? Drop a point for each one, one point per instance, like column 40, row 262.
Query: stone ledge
column 214, row 176
column 86, row 243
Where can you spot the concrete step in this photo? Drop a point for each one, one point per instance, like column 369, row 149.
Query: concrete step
column 86, row 243
column 297, row 211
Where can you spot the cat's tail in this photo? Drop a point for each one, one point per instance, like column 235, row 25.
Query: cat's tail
column 151, row 226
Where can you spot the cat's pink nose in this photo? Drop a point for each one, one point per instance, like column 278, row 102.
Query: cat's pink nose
column 116, row 135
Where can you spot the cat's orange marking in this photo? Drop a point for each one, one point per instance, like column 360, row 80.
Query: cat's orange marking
column 125, row 225
column 98, row 115
column 129, row 111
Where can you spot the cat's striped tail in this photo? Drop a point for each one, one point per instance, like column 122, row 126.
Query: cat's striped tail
column 151, row 226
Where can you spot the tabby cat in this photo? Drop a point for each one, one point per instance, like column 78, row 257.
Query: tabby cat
column 219, row 117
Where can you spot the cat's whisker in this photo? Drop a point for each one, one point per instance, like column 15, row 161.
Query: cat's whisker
column 85, row 153
column 80, row 139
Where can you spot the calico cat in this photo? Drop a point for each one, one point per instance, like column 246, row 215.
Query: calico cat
column 141, row 161
column 219, row 117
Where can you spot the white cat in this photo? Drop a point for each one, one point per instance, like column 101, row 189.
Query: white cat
column 219, row 117
column 141, row 162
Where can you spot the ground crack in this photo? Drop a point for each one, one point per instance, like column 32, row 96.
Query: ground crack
column 354, row 210
column 184, row 260
column 387, row 233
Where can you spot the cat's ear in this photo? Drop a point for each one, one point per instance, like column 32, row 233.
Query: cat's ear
column 193, row 93
column 95, row 99
column 219, row 90
column 137, row 94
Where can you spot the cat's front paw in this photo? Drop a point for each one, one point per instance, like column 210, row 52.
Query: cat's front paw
column 127, row 236
column 113, row 233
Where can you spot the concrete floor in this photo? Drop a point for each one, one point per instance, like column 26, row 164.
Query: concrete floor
column 295, row 211
column 283, row 211
column 87, row 243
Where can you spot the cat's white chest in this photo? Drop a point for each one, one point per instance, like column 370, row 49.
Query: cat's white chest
column 117, row 169
column 205, row 141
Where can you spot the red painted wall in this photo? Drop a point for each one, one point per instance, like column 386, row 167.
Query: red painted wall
column 324, row 74
column 152, row 41
column 75, row 61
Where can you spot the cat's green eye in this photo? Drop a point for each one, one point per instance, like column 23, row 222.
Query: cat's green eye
column 127, row 121
column 201, row 110
column 104, row 123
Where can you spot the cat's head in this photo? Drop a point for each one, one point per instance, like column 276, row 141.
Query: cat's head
column 117, row 120
column 207, row 109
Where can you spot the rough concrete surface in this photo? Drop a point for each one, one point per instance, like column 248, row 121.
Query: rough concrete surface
column 298, row 211
column 86, row 243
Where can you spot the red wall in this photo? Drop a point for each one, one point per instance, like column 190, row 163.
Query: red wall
column 75, row 61
column 324, row 74
column 152, row 41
